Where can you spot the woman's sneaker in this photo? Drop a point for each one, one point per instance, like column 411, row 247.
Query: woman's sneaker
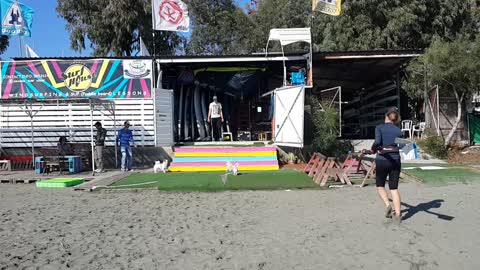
column 388, row 211
column 397, row 219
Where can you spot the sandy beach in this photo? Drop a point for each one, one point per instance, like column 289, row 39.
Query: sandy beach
column 303, row 229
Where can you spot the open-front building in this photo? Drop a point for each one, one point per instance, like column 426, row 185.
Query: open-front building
column 166, row 100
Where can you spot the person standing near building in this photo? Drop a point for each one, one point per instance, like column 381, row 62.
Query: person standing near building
column 388, row 162
column 215, row 118
column 99, row 146
column 125, row 141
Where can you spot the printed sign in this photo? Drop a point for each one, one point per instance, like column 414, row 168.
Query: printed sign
column 330, row 7
column 170, row 15
column 16, row 18
column 108, row 79
column 137, row 69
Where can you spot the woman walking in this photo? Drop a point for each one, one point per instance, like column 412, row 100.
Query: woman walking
column 388, row 162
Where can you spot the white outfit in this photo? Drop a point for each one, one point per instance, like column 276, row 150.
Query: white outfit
column 215, row 109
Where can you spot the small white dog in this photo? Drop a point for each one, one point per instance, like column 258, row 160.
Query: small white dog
column 161, row 166
column 232, row 167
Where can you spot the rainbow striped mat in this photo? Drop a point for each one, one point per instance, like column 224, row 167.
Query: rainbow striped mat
column 208, row 159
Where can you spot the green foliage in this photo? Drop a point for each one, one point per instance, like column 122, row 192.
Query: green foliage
column 219, row 27
column 278, row 14
column 325, row 129
column 453, row 65
column 4, row 42
column 114, row 27
column 405, row 24
column 434, row 145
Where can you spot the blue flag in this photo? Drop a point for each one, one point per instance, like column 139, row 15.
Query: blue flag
column 16, row 18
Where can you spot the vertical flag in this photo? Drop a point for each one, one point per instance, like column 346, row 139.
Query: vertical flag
column 143, row 48
column 30, row 52
column 16, row 18
column 170, row 15
column 330, row 7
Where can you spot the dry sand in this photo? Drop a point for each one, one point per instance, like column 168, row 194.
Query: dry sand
column 335, row 229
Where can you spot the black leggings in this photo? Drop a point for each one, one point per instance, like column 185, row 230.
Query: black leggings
column 217, row 128
column 388, row 167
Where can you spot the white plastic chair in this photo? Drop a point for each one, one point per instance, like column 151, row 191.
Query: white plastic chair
column 419, row 129
column 407, row 127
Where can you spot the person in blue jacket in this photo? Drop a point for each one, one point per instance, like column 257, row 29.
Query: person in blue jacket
column 388, row 162
column 125, row 141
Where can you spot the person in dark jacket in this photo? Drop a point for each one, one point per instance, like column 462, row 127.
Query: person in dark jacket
column 125, row 141
column 99, row 146
column 64, row 148
column 388, row 162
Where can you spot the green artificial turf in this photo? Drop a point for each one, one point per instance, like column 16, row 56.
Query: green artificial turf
column 211, row 181
column 59, row 182
column 442, row 177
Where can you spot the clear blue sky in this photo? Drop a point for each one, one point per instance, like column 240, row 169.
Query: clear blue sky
column 49, row 36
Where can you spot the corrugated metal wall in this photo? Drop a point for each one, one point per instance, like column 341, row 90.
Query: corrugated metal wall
column 164, row 117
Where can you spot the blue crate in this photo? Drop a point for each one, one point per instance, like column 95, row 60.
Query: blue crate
column 298, row 78
column 74, row 164
column 39, row 165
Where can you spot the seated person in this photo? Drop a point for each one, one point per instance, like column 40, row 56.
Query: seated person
column 64, row 148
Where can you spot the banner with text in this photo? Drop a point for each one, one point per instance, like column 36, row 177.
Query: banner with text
column 17, row 18
column 107, row 79
column 330, row 7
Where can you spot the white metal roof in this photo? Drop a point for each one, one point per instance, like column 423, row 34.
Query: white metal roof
column 288, row 36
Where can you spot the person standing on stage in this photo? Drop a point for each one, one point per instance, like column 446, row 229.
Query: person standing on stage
column 215, row 118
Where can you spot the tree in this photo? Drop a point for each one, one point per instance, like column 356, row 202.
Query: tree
column 218, row 27
column 114, row 27
column 277, row 14
column 406, row 24
column 4, row 42
column 453, row 65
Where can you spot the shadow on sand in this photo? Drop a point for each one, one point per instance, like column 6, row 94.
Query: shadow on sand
column 424, row 207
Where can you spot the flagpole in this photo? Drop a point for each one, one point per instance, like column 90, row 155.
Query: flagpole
column 153, row 40
column 20, row 45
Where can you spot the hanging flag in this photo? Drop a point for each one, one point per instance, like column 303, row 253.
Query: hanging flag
column 143, row 49
column 16, row 18
column 330, row 7
column 30, row 52
column 170, row 15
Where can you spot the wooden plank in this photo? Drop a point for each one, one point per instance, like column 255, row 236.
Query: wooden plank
column 317, row 168
column 326, row 175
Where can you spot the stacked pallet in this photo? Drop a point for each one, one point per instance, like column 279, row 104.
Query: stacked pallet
column 203, row 159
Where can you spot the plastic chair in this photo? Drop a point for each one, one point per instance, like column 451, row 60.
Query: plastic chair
column 419, row 129
column 407, row 127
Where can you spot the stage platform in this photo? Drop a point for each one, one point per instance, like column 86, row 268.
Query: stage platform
column 206, row 158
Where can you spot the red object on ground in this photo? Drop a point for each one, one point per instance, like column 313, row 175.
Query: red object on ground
column 18, row 158
column 351, row 164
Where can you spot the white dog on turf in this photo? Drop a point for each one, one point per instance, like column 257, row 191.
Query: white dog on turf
column 232, row 167
column 161, row 166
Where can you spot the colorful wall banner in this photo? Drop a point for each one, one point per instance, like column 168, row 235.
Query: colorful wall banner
column 17, row 18
column 330, row 7
column 106, row 79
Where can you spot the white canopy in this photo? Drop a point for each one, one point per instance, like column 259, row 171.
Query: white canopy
column 288, row 36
